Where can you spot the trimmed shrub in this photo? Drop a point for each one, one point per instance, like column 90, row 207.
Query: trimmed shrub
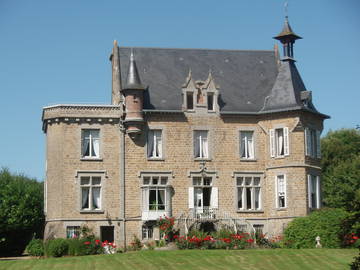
column 326, row 223
column 35, row 247
column 56, row 247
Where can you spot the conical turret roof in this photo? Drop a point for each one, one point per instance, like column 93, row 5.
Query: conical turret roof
column 287, row 32
column 133, row 79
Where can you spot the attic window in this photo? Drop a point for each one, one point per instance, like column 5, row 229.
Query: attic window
column 189, row 100
column 210, row 101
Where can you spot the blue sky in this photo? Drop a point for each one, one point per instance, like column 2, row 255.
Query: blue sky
column 55, row 52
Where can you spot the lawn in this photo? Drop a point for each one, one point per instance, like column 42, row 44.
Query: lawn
column 197, row 259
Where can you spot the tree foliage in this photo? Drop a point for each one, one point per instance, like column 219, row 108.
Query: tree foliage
column 21, row 211
column 341, row 169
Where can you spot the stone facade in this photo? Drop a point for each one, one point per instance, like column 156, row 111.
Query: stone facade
column 117, row 168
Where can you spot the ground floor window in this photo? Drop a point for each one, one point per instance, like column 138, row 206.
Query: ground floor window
column 259, row 228
column 107, row 233
column 203, row 196
column 314, row 191
column 72, row 231
column 248, row 192
column 148, row 230
column 280, row 186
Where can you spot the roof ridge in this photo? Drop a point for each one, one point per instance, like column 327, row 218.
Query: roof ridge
column 199, row 49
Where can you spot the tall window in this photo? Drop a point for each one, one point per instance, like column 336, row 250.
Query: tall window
column 210, row 101
column 314, row 191
column 72, row 231
column 155, row 193
column 203, row 196
column 189, row 100
column 279, row 142
column 201, row 145
column 280, row 191
column 90, row 192
column 154, row 144
column 247, row 145
column 312, row 142
column 248, row 193
column 90, row 143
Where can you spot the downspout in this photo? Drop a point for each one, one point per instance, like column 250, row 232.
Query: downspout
column 122, row 181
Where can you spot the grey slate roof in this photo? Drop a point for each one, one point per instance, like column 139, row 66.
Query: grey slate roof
column 245, row 78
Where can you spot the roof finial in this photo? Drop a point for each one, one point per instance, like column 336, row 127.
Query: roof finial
column 132, row 58
column 286, row 4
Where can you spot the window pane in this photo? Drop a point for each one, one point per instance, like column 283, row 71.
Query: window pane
column 161, row 199
column 85, row 197
column 210, row 100
column 163, row 180
column 240, row 181
column 256, row 181
column 95, row 133
column 257, row 198
column 279, row 141
column 155, row 180
column 239, row 194
column 96, row 198
column 207, row 181
column 85, row 181
column 152, row 200
column 197, row 181
column 189, row 100
column 96, row 180
column 248, row 198
column 146, row 180
column 72, row 231
column 248, row 181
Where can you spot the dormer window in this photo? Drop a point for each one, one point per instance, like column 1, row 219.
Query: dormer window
column 210, row 101
column 189, row 100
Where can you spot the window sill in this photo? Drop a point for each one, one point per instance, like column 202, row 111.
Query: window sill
column 250, row 211
column 279, row 157
column 281, row 209
column 248, row 159
column 202, row 159
column 90, row 159
column 155, row 159
column 92, row 211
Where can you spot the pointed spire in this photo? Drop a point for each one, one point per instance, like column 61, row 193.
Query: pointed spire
column 133, row 79
column 287, row 37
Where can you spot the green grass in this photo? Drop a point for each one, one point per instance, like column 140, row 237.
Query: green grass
column 289, row 259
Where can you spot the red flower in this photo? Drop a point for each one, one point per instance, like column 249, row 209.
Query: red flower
column 176, row 236
column 87, row 243
column 355, row 238
column 250, row 240
column 97, row 241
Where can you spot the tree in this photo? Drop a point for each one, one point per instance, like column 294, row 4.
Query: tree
column 21, row 211
column 341, row 174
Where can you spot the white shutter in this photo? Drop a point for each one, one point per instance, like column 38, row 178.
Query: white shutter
column 286, row 141
column 309, row 190
column 318, row 188
column 168, row 201
column 272, row 142
column 191, row 197
column 318, row 149
column 276, row 192
column 307, row 142
column 214, row 198
column 285, row 190
column 144, row 199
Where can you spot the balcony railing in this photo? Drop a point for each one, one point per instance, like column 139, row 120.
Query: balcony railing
column 204, row 213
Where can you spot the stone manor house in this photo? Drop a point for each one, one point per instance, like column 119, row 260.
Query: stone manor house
column 211, row 137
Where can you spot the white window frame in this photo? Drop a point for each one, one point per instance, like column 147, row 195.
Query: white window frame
column 156, row 144
column 93, row 139
column 91, row 186
column 314, row 189
column 312, row 142
column 73, row 231
column 279, row 193
column 199, row 143
column 278, row 144
column 244, row 144
column 241, row 185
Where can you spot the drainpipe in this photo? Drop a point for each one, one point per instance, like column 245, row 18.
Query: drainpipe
column 122, row 184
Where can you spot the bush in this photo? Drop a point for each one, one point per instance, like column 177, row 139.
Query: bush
column 35, row 247
column 56, row 247
column 326, row 223
column 355, row 265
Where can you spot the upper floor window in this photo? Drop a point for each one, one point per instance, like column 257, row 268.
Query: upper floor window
column 280, row 190
column 90, row 190
column 248, row 192
column 314, row 191
column 247, row 145
column 90, row 143
column 201, row 144
column 210, row 101
column 189, row 100
column 154, row 144
column 312, row 142
column 279, row 142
